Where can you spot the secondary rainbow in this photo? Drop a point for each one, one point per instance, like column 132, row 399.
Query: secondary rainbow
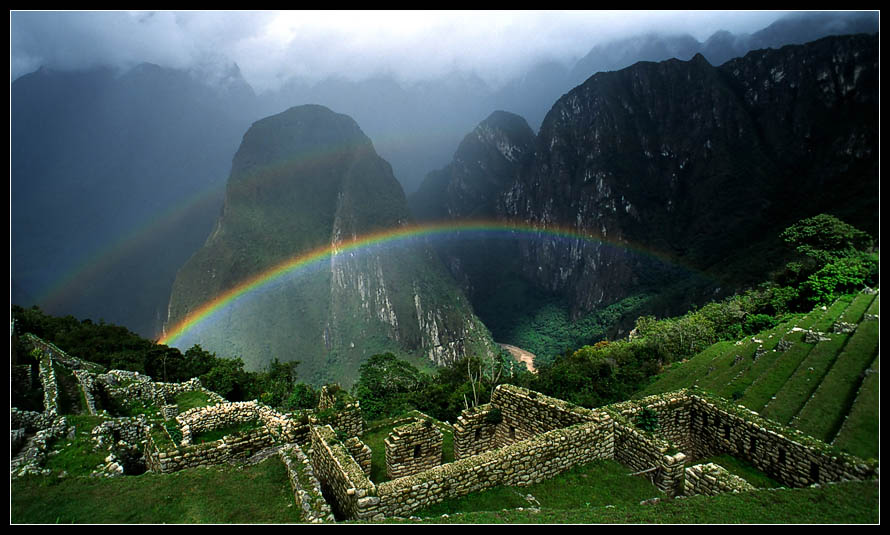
column 389, row 235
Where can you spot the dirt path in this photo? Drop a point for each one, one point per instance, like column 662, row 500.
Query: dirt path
column 521, row 355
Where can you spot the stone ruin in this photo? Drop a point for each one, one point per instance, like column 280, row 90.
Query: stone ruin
column 520, row 438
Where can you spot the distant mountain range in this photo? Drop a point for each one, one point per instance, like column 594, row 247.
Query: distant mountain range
column 118, row 178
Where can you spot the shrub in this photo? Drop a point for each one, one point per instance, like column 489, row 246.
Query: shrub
column 647, row 420
column 494, row 416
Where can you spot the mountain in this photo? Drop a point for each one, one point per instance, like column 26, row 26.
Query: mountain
column 116, row 177
column 115, row 180
column 683, row 170
column 304, row 180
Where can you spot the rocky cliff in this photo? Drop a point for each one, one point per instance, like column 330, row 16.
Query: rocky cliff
column 679, row 165
column 309, row 180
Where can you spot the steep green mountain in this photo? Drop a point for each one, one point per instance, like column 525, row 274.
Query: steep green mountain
column 305, row 179
column 686, row 172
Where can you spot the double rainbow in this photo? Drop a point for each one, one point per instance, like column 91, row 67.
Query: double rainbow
column 306, row 260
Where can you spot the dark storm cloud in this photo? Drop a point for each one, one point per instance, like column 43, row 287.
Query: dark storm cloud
column 272, row 46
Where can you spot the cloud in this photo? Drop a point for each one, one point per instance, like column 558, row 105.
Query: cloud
column 273, row 46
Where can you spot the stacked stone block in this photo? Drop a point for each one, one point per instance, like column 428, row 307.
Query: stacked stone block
column 201, row 419
column 413, row 448
column 307, row 489
column 360, row 452
column 220, row 451
column 711, row 479
column 473, row 434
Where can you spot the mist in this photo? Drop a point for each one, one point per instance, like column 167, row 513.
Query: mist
column 410, row 46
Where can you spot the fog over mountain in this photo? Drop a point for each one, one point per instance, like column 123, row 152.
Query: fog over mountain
column 271, row 47
column 124, row 124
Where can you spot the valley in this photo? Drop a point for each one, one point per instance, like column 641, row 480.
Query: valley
column 639, row 287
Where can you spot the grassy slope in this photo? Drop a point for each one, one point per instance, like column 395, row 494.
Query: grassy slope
column 846, row 503
column 201, row 495
column 814, row 387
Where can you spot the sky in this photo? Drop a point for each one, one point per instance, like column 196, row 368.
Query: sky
column 270, row 46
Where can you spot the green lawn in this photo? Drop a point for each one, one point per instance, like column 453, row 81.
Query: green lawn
column 190, row 400
column 842, row 503
column 224, row 494
column 598, row 484
column 824, row 413
column 857, row 436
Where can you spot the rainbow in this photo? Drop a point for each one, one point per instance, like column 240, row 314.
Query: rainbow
column 388, row 236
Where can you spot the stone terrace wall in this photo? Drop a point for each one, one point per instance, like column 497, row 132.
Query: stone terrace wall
column 67, row 360
column 527, row 413
column 787, row 455
column 344, row 483
column 711, row 479
column 472, row 434
column 519, row 464
column 360, row 452
column 167, row 460
column 201, row 419
column 643, row 452
column 50, row 386
column 307, row 490
column 413, row 448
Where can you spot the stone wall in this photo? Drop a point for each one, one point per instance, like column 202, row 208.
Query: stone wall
column 166, row 458
column 201, row 419
column 307, row 490
column 711, row 479
column 701, row 425
column 473, row 434
column 30, row 421
column 787, row 455
column 347, row 420
column 343, row 482
column 72, row 363
column 527, row 413
column 360, row 452
column 522, row 463
column 413, row 448
column 50, row 386
column 88, row 386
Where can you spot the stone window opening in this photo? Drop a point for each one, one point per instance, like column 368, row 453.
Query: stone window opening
column 417, row 451
column 726, row 431
column 512, row 433
column 781, row 456
column 478, row 434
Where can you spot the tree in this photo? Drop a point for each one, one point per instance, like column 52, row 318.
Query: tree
column 825, row 238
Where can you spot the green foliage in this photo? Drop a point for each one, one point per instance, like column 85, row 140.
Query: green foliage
column 494, row 416
column 647, row 420
column 173, row 431
column 842, row 276
column 303, row 396
column 386, row 386
column 825, row 238
column 190, row 400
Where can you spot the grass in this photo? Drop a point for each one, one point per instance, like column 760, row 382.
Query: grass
column 190, row 400
column 220, row 432
column 824, row 413
column 744, row 470
column 76, row 457
column 857, row 435
column 842, row 503
column 598, row 484
column 224, row 494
